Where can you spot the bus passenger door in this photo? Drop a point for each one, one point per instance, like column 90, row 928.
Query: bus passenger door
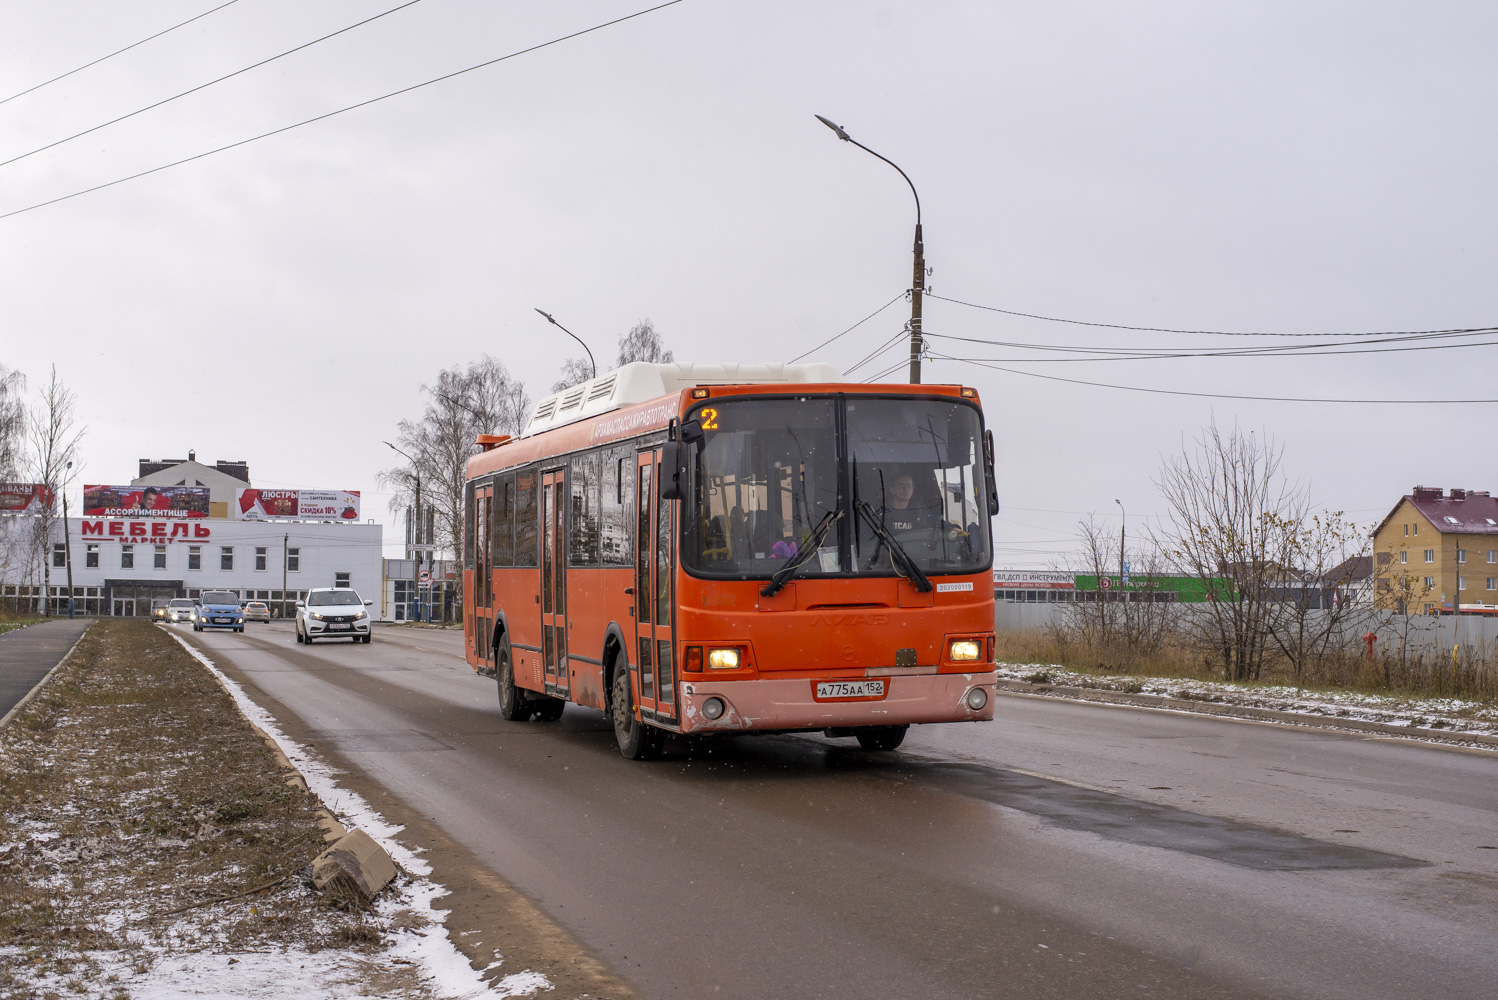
column 653, row 654
column 483, row 617
column 554, row 582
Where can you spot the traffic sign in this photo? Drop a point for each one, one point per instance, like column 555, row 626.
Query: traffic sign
column 1105, row 583
column 425, row 576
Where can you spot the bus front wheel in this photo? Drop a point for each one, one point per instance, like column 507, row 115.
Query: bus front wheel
column 512, row 704
column 881, row 737
column 637, row 741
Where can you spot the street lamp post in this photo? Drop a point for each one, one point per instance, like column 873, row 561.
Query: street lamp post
column 550, row 319
column 67, row 540
column 918, row 281
column 416, row 533
column 1123, row 525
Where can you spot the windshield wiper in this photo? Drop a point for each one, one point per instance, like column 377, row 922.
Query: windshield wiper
column 813, row 545
column 897, row 554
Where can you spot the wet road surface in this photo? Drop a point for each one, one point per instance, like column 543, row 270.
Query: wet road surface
column 28, row 654
column 1064, row 850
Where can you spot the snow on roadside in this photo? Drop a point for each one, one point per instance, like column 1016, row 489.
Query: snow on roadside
column 445, row 968
column 1453, row 715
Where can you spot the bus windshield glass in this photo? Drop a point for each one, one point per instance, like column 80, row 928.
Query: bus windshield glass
column 764, row 477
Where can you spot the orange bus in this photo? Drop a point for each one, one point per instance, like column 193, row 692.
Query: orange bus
column 697, row 549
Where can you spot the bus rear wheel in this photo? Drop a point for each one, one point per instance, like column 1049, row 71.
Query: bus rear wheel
column 881, row 737
column 637, row 741
column 512, row 704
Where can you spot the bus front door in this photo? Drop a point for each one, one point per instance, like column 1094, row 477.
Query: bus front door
column 655, row 678
column 554, row 582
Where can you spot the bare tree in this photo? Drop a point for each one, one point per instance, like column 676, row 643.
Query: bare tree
column 12, row 423
column 1234, row 515
column 642, row 343
column 1124, row 623
column 481, row 397
column 1311, row 619
column 54, row 444
column 575, row 371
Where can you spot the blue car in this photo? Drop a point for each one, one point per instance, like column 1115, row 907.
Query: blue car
column 218, row 609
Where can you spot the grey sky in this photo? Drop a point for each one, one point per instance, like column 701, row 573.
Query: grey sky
column 1233, row 166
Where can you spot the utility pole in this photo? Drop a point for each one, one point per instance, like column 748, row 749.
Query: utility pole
column 285, row 561
column 67, row 540
column 918, row 281
column 1123, row 525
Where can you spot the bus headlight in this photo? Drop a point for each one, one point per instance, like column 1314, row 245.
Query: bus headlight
column 964, row 649
column 712, row 709
column 722, row 659
column 976, row 699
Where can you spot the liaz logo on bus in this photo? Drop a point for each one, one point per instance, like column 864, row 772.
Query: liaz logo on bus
column 850, row 619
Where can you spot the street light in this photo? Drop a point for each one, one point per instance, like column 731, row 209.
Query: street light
column 550, row 319
column 918, row 285
column 416, row 533
column 67, row 541
column 1123, row 525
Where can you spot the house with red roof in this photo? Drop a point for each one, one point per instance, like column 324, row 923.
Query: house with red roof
column 1437, row 549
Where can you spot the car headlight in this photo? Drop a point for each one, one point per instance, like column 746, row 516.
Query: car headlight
column 358, row 614
column 315, row 614
column 723, row 659
column 965, row 649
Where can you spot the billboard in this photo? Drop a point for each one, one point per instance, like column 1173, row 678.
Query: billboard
column 299, row 505
column 24, row 498
column 145, row 501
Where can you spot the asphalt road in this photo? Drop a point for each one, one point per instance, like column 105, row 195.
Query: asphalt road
column 27, row 654
column 1064, row 850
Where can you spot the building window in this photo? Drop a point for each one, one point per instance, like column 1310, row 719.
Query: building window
column 1406, row 531
column 1493, row 583
column 260, row 558
column 91, row 556
column 1493, row 555
column 293, row 560
column 1461, row 583
column 1404, row 557
column 1430, row 581
column 1461, row 555
column 159, row 558
column 340, row 579
column 226, row 557
column 59, row 554
column 1417, row 528
column 127, row 557
column 1430, row 555
column 195, row 557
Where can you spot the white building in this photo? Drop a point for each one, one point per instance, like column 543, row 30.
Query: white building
column 121, row 564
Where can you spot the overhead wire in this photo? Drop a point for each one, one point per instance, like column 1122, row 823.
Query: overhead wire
column 210, row 83
column 891, row 342
column 116, row 52
column 850, row 329
column 352, row 107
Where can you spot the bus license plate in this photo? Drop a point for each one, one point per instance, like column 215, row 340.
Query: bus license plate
column 850, row 689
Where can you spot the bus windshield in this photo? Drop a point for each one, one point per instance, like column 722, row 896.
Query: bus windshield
column 765, row 476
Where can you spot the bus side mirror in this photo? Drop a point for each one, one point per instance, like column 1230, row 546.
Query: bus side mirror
column 671, row 471
column 993, row 484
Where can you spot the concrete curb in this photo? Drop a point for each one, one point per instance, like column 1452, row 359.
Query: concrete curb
column 37, row 689
column 366, row 867
column 1166, row 703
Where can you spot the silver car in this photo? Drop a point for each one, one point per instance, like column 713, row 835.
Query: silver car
column 179, row 609
column 256, row 611
column 332, row 613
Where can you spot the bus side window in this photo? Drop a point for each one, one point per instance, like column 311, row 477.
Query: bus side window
column 582, row 543
column 504, row 521
column 468, row 515
column 618, row 499
column 527, row 545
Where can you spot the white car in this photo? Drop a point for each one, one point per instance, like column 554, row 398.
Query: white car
column 179, row 609
column 332, row 613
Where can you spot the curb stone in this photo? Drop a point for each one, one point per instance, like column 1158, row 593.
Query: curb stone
column 1307, row 720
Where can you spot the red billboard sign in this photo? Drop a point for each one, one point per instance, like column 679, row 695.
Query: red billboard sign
column 24, row 498
column 299, row 505
column 145, row 501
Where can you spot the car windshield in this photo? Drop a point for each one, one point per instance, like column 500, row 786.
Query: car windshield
column 181, row 602
column 766, row 473
column 318, row 598
column 220, row 597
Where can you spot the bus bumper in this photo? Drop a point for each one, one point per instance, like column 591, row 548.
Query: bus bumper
column 790, row 703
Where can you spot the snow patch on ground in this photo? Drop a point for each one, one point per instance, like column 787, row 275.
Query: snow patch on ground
column 1450, row 715
column 324, row 974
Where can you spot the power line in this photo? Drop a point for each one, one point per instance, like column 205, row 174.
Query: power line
column 1269, row 353
column 1217, row 395
column 204, row 86
column 373, row 100
column 876, row 352
column 850, row 329
column 1210, row 333
column 116, row 52
column 1152, row 353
